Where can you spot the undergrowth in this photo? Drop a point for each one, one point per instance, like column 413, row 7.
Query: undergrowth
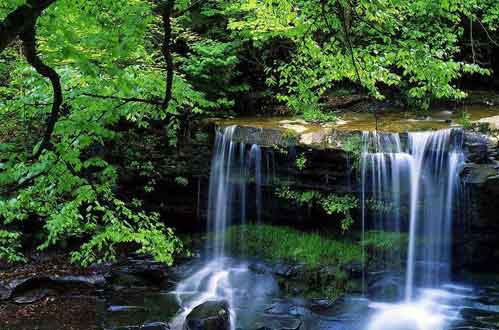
column 279, row 243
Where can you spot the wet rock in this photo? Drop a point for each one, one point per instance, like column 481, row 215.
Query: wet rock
column 388, row 286
column 125, row 309
column 33, row 288
column 31, row 296
column 477, row 148
column 293, row 308
column 354, row 269
column 279, row 307
column 328, row 273
column 478, row 315
column 317, row 305
column 260, row 268
column 155, row 326
column 89, row 280
column 276, row 322
column 476, row 241
column 5, row 292
column 298, row 311
column 139, row 273
column 285, row 270
column 493, row 121
column 210, row 315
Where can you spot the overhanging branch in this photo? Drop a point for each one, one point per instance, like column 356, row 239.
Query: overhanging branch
column 20, row 19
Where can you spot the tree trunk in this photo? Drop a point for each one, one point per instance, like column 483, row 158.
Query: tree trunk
column 20, row 19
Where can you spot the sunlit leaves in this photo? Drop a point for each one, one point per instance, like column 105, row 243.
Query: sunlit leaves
column 411, row 45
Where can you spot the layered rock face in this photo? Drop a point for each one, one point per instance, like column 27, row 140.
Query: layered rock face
column 329, row 158
column 477, row 238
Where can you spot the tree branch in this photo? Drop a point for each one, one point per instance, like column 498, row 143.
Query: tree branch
column 29, row 180
column 20, row 19
column 124, row 99
column 28, row 36
column 192, row 6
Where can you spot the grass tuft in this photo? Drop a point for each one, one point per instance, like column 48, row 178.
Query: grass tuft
column 287, row 244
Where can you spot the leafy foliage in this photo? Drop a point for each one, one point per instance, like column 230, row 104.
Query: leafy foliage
column 10, row 246
column 405, row 44
column 114, row 73
column 330, row 203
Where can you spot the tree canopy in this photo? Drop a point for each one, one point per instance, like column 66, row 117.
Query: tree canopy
column 73, row 72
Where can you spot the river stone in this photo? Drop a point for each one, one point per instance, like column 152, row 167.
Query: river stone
column 90, row 280
column 259, row 268
column 155, row 326
column 31, row 296
column 30, row 289
column 354, row 269
column 318, row 305
column 210, row 315
column 284, row 270
column 120, row 308
column 279, row 307
column 276, row 322
column 139, row 273
column 5, row 292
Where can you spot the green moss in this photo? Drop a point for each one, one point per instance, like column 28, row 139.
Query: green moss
column 385, row 241
column 321, row 272
column 286, row 244
column 385, row 249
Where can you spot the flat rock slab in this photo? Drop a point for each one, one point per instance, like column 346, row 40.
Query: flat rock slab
column 275, row 322
column 31, row 296
column 31, row 289
column 119, row 308
column 492, row 121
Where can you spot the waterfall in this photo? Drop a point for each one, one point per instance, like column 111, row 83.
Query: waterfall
column 232, row 165
column 231, row 198
column 418, row 173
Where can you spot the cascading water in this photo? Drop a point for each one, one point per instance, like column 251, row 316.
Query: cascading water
column 420, row 175
column 230, row 198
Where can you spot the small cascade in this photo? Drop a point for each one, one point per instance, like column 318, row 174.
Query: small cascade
column 410, row 183
column 385, row 171
column 234, row 166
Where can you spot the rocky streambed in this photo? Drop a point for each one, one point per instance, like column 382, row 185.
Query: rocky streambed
column 139, row 294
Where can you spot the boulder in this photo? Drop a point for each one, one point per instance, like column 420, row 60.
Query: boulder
column 284, row 270
column 354, row 269
column 138, row 272
column 30, row 289
column 319, row 305
column 155, row 326
column 210, row 315
column 476, row 147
